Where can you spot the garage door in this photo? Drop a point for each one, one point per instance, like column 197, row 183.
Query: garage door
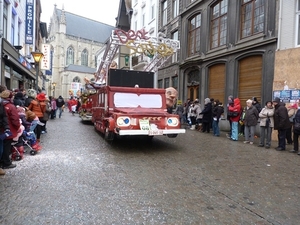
column 250, row 78
column 216, row 82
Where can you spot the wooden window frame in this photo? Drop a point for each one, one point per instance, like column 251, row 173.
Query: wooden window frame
column 245, row 4
column 219, row 20
column 193, row 46
column 164, row 12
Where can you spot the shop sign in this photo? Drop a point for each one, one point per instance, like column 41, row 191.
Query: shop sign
column 287, row 95
column 29, row 28
column 45, row 62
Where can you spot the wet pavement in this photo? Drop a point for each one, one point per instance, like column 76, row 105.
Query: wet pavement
column 196, row 178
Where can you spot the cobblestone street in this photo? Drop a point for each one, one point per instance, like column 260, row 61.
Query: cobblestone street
column 79, row 178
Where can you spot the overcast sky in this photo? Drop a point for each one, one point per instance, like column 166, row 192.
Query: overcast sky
column 104, row 11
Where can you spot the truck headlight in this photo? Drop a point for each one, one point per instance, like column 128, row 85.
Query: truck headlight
column 123, row 121
column 172, row 121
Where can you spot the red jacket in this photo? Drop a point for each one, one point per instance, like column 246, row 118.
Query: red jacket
column 13, row 118
column 235, row 108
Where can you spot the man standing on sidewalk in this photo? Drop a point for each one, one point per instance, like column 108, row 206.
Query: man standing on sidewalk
column 281, row 122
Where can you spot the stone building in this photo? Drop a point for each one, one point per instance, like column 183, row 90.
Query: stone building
column 287, row 65
column 227, row 48
column 169, row 23
column 75, row 42
column 15, row 69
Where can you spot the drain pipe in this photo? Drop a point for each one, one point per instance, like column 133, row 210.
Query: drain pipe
column 1, row 36
column 279, row 25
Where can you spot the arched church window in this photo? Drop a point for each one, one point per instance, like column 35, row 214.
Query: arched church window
column 70, row 56
column 76, row 79
column 84, row 58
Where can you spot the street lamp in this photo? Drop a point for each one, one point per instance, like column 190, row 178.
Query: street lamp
column 37, row 57
column 53, row 85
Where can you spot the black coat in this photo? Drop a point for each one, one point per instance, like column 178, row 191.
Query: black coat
column 207, row 113
column 281, row 117
column 3, row 119
column 297, row 118
column 251, row 116
column 218, row 111
column 28, row 101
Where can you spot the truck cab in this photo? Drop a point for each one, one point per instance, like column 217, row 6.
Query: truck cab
column 123, row 111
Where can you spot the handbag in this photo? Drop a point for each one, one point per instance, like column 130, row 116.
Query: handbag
column 297, row 125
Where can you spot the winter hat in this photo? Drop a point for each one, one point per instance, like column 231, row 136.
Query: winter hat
column 31, row 93
column 276, row 100
column 206, row 101
column 249, row 101
column 196, row 100
column 41, row 97
column 6, row 94
column 294, row 106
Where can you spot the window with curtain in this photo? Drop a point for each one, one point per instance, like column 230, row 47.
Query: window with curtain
column 194, row 35
column 253, row 17
column 84, row 58
column 219, row 24
column 70, row 56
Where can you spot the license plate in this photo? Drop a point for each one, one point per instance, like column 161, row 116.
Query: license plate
column 155, row 132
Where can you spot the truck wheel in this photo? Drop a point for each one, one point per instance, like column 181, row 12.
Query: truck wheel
column 172, row 135
column 109, row 135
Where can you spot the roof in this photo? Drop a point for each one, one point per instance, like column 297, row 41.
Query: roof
column 85, row 28
column 80, row 69
column 124, row 15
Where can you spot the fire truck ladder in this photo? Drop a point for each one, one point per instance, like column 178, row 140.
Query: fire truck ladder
column 109, row 54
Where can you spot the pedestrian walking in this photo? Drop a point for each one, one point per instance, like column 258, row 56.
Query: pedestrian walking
column 250, row 121
column 53, row 107
column 60, row 103
column 266, row 125
column 281, row 122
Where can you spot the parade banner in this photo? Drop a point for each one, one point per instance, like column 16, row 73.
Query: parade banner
column 29, row 22
column 287, row 95
column 75, row 90
column 45, row 62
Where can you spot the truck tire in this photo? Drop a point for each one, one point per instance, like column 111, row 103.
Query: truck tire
column 109, row 135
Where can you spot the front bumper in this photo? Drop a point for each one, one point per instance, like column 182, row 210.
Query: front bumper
column 151, row 133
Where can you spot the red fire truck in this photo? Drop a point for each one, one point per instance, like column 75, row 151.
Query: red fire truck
column 126, row 102
column 127, row 110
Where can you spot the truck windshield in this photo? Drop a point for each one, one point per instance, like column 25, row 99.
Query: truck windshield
column 132, row 100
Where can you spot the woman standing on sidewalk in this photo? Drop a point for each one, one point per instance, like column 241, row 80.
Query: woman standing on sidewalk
column 38, row 106
column 266, row 124
column 250, row 121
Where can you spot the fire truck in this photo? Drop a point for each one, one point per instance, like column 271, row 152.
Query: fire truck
column 126, row 102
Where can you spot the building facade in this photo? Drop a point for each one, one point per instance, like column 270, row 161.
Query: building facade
column 16, row 69
column 287, row 65
column 227, row 48
column 169, row 24
column 75, row 42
